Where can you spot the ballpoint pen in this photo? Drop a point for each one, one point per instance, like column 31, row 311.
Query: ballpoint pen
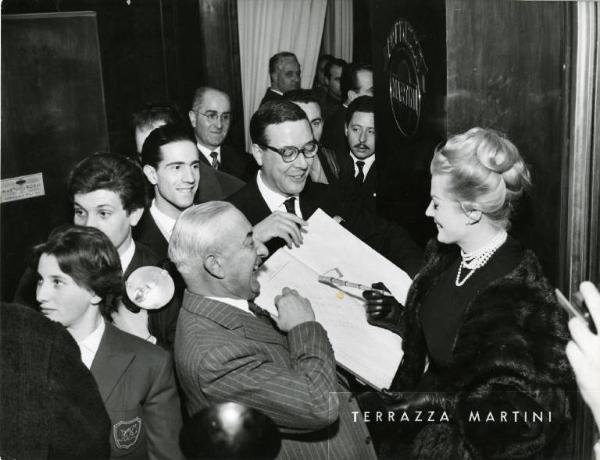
column 340, row 282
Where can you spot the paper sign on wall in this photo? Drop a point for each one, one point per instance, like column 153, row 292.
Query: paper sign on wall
column 22, row 187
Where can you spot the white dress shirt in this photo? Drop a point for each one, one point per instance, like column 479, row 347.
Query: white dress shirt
column 368, row 163
column 164, row 223
column 237, row 303
column 274, row 199
column 89, row 345
column 127, row 256
column 206, row 152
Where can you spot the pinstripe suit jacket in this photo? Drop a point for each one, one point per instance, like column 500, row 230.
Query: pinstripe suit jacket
column 225, row 354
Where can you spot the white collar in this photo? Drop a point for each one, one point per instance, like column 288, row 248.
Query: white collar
column 164, row 223
column 89, row 346
column 206, row 152
column 275, row 199
column 127, row 256
column 237, row 303
column 366, row 167
column 275, row 90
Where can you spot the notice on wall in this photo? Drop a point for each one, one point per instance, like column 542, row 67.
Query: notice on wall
column 22, row 187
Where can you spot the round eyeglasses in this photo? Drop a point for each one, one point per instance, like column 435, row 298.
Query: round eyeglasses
column 213, row 117
column 290, row 153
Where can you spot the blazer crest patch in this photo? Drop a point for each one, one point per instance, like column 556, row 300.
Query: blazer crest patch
column 127, row 432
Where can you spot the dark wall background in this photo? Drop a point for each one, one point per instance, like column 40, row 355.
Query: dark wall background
column 158, row 50
column 52, row 116
column 403, row 162
column 508, row 68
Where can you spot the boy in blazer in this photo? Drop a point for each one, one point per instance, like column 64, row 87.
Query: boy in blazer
column 80, row 284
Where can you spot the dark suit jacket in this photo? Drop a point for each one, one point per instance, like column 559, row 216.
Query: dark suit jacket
column 51, row 407
column 270, row 95
column 146, row 232
column 225, row 354
column 329, row 163
column 367, row 191
column 329, row 104
column 334, row 135
column 235, row 163
column 137, row 385
column 389, row 239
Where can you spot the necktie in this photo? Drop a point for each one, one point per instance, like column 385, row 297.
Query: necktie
column 360, row 177
column 257, row 311
column 215, row 160
column 289, row 205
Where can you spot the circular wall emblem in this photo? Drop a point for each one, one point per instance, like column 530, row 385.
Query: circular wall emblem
column 407, row 69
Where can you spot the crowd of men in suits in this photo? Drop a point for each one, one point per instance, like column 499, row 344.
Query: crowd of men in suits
column 210, row 214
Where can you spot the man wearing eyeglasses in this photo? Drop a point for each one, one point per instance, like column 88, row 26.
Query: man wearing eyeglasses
column 279, row 200
column 210, row 117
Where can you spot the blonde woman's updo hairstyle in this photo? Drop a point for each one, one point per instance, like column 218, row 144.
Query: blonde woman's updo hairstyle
column 486, row 172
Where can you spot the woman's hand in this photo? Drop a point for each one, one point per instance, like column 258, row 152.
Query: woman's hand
column 383, row 310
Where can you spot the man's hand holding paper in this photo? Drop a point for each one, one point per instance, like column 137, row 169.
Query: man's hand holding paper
column 284, row 225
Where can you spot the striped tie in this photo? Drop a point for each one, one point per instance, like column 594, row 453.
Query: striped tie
column 215, row 160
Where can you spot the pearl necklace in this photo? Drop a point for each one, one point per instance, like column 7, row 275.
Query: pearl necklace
column 479, row 258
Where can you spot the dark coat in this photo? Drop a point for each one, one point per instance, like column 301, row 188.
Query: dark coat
column 508, row 355
column 329, row 104
column 334, row 135
column 329, row 163
column 389, row 239
column 51, row 407
column 270, row 95
column 137, row 384
column 147, row 232
column 236, row 163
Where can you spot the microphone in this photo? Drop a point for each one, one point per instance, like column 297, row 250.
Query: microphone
column 150, row 287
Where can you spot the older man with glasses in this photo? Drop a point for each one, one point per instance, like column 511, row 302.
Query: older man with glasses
column 210, row 117
column 279, row 200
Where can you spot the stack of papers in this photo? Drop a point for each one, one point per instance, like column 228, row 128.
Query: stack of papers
column 371, row 353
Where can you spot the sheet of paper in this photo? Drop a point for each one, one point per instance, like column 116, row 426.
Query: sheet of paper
column 328, row 245
column 371, row 353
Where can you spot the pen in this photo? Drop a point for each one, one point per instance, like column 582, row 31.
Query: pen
column 340, row 282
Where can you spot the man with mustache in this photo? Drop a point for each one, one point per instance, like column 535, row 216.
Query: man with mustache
column 358, row 167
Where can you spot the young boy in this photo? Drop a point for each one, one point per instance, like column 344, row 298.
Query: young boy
column 80, row 283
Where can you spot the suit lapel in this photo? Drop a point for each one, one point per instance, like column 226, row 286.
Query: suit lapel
column 257, row 209
column 148, row 232
column 135, row 263
column 203, row 159
column 209, row 187
column 110, row 362
column 307, row 206
column 256, row 328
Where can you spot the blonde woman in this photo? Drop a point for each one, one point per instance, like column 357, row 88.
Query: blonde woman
column 483, row 337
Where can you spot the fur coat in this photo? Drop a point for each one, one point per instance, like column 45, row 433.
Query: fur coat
column 509, row 355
